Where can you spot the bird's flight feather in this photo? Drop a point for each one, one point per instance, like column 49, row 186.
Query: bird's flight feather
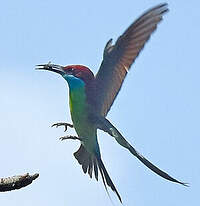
column 118, row 58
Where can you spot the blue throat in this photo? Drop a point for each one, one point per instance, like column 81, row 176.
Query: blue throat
column 74, row 82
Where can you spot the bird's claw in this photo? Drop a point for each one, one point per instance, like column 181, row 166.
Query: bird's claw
column 69, row 137
column 62, row 124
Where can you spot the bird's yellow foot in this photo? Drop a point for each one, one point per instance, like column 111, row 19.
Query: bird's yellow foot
column 62, row 124
column 70, row 137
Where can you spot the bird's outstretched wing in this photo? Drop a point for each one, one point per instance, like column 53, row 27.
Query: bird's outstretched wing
column 118, row 58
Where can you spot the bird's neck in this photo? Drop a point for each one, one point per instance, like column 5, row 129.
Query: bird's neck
column 76, row 93
column 74, row 82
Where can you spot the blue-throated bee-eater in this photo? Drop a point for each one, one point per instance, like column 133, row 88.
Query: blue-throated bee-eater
column 91, row 97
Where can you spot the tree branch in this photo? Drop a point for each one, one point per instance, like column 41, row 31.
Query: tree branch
column 16, row 182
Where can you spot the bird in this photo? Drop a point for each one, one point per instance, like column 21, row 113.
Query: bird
column 91, row 96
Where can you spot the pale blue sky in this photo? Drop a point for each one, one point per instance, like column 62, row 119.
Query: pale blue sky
column 157, row 109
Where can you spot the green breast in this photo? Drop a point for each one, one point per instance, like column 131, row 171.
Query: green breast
column 79, row 107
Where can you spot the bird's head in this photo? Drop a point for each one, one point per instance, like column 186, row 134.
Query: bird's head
column 70, row 73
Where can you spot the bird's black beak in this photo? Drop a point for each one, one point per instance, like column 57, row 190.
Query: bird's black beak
column 51, row 67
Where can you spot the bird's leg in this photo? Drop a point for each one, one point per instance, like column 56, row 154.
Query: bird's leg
column 70, row 137
column 62, row 124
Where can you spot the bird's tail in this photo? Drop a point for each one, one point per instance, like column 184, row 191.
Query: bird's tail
column 91, row 162
column 106, row 126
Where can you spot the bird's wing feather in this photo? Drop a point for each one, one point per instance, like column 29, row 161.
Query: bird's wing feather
column 118, row 58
